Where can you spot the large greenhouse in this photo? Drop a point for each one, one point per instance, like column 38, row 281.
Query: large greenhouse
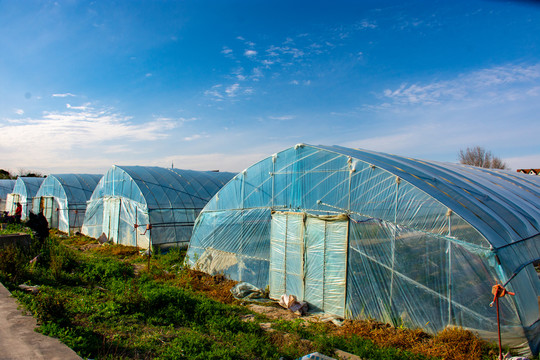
column 24, row 190
column 63, row 197
column 143, row 206
column 6, row 187
column 361, row 234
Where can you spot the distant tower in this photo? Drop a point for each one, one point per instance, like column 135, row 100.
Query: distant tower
column 172, row 164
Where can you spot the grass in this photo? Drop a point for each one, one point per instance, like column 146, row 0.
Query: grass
column 105, row 303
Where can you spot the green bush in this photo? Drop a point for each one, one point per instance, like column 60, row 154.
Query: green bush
column 84, row 341
column 13, row 262
column 102, row 270
column 195, row 346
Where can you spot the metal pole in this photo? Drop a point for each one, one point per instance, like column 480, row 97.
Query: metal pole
column 498, row 327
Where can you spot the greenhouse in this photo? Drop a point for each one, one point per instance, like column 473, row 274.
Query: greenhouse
column 366, row 235
column 24, row 190
column 143, row 206
column 63, row 197
column 6, row 187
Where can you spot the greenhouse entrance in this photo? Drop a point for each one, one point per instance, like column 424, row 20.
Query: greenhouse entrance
column 11, row 202
column 308, row 259
column 46, row 204
column 111, row 217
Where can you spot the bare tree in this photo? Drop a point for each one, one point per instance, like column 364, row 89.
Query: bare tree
column 478, row 156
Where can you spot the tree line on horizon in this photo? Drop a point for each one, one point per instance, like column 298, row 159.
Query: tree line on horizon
column 6, row 175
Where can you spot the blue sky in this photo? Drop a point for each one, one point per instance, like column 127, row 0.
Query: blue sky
column 223, row 84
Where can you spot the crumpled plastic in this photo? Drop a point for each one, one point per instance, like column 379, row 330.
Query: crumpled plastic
column 247, row 291
column 290, row 302
column 316, row 356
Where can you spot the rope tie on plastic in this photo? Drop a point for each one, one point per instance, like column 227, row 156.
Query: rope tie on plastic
column 499, row 291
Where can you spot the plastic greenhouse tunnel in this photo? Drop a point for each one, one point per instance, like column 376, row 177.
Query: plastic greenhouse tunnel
column 24, row 190
column 144, row 206
column 6, row 187
column 361, row 234
column 63, row 197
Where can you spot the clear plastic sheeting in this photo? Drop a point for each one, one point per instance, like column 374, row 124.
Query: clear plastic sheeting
column 24, row 190
column 144, row 206
column 63, row 197
column 308, row 257
column 361, row 234
column 6, row 187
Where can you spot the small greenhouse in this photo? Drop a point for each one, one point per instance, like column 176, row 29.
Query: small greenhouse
column 24, row 190
column 63, row 197
column 361, row 235
column 6, row 187
column 143, row 206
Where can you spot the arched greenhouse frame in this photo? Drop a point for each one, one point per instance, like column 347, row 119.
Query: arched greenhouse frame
column 63, row 197
column 144, row 205
column 361, row 234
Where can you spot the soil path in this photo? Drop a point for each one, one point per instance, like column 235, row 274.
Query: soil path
column 19, row 341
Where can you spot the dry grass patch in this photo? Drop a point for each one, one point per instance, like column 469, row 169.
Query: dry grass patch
column 449, row 344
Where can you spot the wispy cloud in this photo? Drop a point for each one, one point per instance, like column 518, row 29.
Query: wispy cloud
column 86, row 127
column 63, row 95
column 250, row 53
column 19, row 111
column 215, row 93
column 221, row 93
column 81, row 107
column 292, row 56
column 494, row 83
column 232, row 90
column 282, row 118
column 196, row 137
column 441, row 117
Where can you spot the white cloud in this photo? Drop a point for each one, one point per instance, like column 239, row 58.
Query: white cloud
column 58, row 133
column 365, row 24
column 63, row 95
column 282, row 118
column 215, row 93
column 232, row 90
column 497, row 83
column 148, row 75
column 257, row 73
column 250, row 53
column 221, row 93
column 19, row 111
column 82, row 107
column 193, row 137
